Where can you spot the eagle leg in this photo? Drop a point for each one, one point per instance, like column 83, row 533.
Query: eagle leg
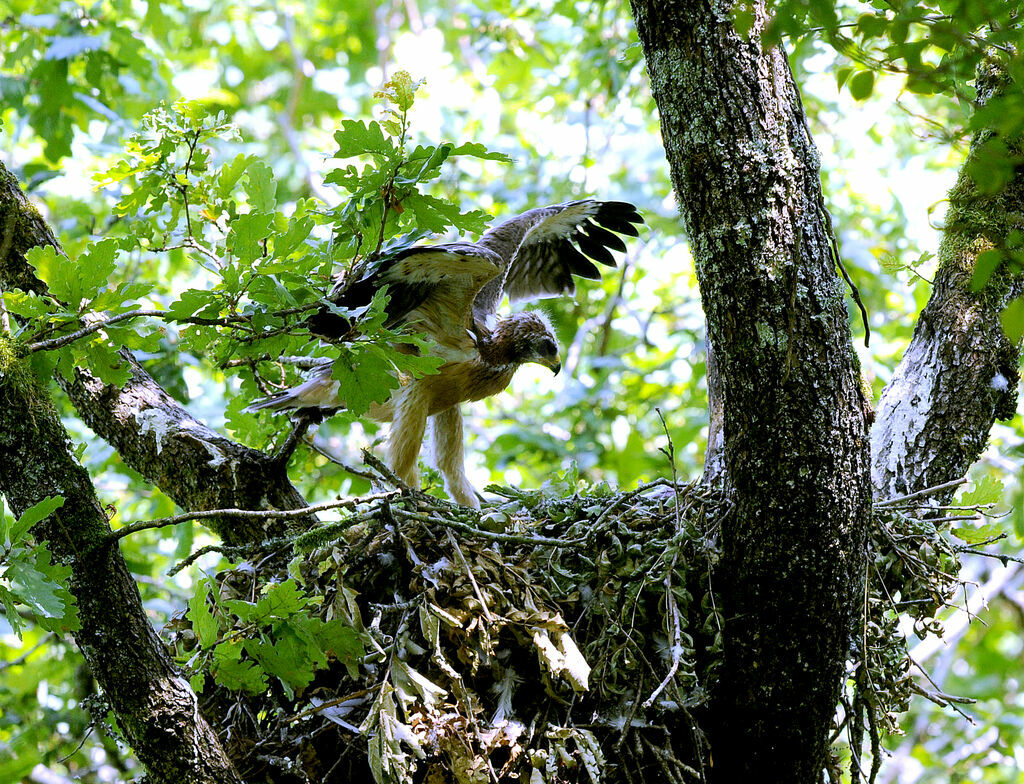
column 448, row 457
column 406, row 436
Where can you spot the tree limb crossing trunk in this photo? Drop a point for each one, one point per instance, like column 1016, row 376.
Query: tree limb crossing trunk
column 960, row 372
column 795, row 450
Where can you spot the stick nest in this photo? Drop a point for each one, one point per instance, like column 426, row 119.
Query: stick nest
column 553, row 637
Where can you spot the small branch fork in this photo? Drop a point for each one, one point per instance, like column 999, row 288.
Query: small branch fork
column 230, row 321
column 928, row 491
column 980, row 511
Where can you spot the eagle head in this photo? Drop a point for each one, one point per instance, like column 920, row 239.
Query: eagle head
column 527, row 337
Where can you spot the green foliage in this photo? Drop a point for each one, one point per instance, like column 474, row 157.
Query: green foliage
column 30, row 582
column 936, row 46
column 988, row 490
column 32, row 734
column 269, row 269
column 214, row 212
column 383, row 190
column 1013, row 319
column 861, row 84
column 947, row 49
column 243, row 644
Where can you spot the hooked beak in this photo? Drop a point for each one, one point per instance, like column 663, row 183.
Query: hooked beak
column 554, row 364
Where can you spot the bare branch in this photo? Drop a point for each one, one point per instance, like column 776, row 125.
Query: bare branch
column 920, row 493
column 248, row 514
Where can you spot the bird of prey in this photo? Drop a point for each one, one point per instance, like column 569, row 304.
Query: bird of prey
column 451, row 292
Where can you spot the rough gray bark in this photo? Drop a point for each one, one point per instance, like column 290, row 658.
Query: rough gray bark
column 197, row 467
column 155, row 707
column 795, row 450
column 960, row 372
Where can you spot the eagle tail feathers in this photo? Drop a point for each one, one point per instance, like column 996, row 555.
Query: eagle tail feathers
column 318, row 392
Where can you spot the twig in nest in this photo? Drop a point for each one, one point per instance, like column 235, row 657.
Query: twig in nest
column 191, row 559
column 939, row 697
column 381, row 468
column 670, row 599
column 328, row 704
column 626, row 498
column 950, row 519
column 321, row 450
column 1003, row 557
column 670, row 765
column 677, row 649
column 469, row 573
column 250, row 514
column 497, row 537
column 942, row 699
column 627, row 724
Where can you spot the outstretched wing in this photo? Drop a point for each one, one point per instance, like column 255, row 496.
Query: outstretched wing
column 431, row 289
column 564, row 240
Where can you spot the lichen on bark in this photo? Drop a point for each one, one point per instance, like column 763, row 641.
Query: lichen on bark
column 960, row 372
column 793, row 432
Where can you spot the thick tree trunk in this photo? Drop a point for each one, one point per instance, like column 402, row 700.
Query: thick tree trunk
column 960, row 372
column 795, row 457
column 197, row 467
column 155, row 707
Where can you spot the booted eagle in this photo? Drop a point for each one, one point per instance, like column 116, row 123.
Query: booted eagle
column 451, row 293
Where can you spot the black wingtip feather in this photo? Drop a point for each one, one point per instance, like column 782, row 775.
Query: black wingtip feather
column 607, row 238
column 618, row 225
column 618, row 216
column 578, row 263
column 594, row 249
column 619, row 209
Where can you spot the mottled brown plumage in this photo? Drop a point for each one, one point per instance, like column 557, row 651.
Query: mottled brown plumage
column 451, row 292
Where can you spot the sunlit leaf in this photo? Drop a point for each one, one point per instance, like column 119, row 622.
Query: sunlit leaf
column 861, row 85
column 977, row 535
column 1012, row 319
column 477, row 150
column 363, row 380
column 359, row 138
column 987, row 491
column 204, row 623
column 34, row 588
column 248, row 233
column 33, row 515
column 262, row 187
column 984, row 265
